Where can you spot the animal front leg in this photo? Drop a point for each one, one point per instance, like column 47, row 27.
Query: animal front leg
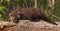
column 16, row 21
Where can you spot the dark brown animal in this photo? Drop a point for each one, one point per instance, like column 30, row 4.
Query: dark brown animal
column 32, row 14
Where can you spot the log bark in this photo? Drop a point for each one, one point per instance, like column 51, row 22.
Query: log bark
column 25, row 25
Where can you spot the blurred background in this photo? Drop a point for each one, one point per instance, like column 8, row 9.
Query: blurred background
column 51, row 8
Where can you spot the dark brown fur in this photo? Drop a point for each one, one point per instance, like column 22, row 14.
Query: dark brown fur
column 32, row 14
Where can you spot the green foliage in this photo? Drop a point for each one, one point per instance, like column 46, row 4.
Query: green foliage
column 3, row 9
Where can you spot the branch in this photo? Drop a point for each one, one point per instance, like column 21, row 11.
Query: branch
column 35, row 4
column 55, row 16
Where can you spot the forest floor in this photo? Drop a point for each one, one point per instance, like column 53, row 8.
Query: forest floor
column 26, row 25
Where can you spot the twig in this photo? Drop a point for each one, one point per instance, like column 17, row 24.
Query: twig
column 55, row 16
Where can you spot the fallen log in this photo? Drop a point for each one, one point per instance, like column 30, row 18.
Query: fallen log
column 25, row 25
